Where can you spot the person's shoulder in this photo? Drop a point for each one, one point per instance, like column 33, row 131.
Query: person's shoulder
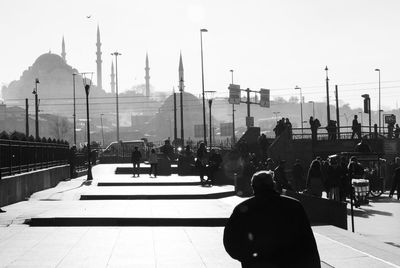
column 290, row 202
column 243, row 207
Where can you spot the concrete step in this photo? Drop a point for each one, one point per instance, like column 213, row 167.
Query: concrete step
column 147, row 222
column 148, row 183
column 143, row 170
column 156, row 196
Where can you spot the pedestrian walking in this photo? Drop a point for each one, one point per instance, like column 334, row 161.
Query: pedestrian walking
column 269, row 230
column 315, row 181
column 280, row 177
column 297, row 175
column 396, row 179
column 397, row 131
column 344, row 182
column 263, row 143
column 201, row 161
column 136, row 159
column 314, row 125
column 214, row 162
column 153, row 160
column 356, row 128
column 332, row 182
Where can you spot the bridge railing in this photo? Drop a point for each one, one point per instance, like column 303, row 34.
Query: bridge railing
column 23, row 156
column 322, row 134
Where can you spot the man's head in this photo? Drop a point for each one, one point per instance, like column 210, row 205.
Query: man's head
column 262, row 181
column 136, row 148
column 355, row 116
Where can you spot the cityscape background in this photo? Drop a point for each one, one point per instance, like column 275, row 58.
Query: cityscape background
column 276, row 45
column 269, row 44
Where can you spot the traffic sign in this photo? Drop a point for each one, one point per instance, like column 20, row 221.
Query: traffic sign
column 249, row 121
column 234, row 94
column 264, row 98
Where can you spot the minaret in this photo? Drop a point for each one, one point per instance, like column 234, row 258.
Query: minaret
column 181, row 88
column 63, row 54
column 181, row 78
column 112, row 78
column 147, row 77
column 99, row 61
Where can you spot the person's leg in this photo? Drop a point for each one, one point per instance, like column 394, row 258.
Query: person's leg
column 133, row 169
column 138, row 169
column 393, row 188
column 155, row 170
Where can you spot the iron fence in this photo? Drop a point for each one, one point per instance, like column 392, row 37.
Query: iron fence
column 23, row 156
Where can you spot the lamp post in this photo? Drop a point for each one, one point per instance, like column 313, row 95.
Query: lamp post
column 301, row 108
column 313, row 108
column 328, row 111
column 74, row 115
column 379, row 108
column 210, row 94
column 87, row 90
column 102, row 132
column 233, row 116
column 116, row 54
column 202, row 84
column 35, row 92
column 276, row 115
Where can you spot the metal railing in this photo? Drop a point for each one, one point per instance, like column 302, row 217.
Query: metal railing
column 346, row 132
column 23, row 156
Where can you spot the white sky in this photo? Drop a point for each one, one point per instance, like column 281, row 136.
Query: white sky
column 275, row 44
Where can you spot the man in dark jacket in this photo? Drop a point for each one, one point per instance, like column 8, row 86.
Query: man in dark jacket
column 136, row 158
column 396, row 180
column 269, row 230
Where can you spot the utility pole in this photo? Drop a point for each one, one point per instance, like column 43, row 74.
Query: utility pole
column 74, row 115
column 233, row 116
column 36, row 109
column 102, row 132
column 26, row 118
column 328, row 112
column 175, row 123
column 116, row 54
column 337, row 111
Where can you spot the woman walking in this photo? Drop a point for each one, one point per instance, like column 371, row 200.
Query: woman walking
column 315, row 182
column 153, row 163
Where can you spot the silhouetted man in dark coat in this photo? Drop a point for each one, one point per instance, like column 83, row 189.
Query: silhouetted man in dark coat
column 269, row 230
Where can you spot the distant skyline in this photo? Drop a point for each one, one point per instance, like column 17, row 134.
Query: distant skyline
column 269, row 44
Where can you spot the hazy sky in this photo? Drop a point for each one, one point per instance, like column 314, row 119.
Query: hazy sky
column 269, row 44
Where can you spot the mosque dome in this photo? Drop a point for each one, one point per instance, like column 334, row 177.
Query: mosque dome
column 49, row 61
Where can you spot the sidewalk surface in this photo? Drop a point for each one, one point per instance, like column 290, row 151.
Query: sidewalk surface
column 159, row 246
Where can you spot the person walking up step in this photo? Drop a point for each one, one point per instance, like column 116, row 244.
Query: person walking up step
column 153, row 163
column 136, row 158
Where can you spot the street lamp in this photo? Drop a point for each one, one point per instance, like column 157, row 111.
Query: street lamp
column 74, row 115
column 87, row 83
column 36, row 108
column 210, row 94
column 276, row 115
column 116, row 54
column 202, row 84
column 301, row 108
column 379, row 108
column 102, row 132
column 313, row 108
column 233, row 116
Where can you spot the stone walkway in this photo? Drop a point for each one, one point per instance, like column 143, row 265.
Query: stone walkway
column 138, row 245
